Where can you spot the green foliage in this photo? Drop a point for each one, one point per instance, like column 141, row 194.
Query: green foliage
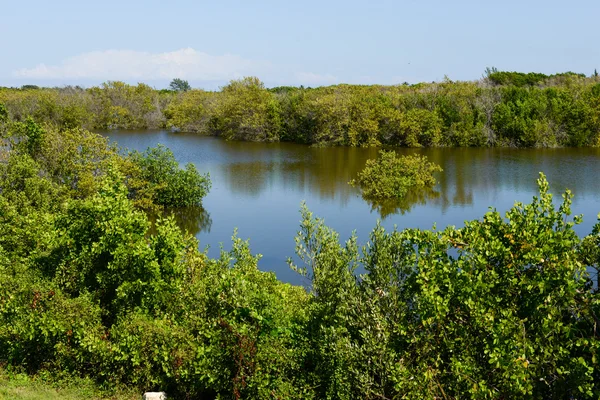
column 531, row 117
column 34, row 135
column 462, row 108
column 3, row 113
column 503, row 109
column 392, row 206
column 101, row 247
column 71, row 159
column 191, row 111
column 519, row 115
column 117, row 105
column 296, row 126
column 501, row 308
column 20, row 386
column 23, row 186
column 339, row 115
column 166, row 184
column 590, row 251
column 179, row 85
column 245, row 110
column 419, row 128
column 390, row 176
column 85, row 289
column 498, row 309
column 520, row 79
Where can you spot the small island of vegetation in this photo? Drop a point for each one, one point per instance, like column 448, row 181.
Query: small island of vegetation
column 391, row 176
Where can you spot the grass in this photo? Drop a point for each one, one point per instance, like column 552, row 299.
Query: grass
column 18, row 386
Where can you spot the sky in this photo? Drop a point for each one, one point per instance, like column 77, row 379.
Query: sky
column 310, row 43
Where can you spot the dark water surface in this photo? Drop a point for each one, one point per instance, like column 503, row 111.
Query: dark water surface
column 258, row 188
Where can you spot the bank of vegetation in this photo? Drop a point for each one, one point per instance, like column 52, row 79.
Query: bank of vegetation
column 502, row 109
column 502, row 308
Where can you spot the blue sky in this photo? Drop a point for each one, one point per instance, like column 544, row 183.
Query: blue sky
column 291, row 42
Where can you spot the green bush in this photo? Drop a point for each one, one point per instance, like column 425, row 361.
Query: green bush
column 518, row 79
column 504, row 109
column 168, row 184
column 418, row 128
column 390, row 176
column 3, row 113
column 501, row 308
column 245, row 110
column 191, row 111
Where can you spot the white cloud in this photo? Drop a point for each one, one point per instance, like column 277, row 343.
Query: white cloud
column 138, row 65
column 188, row 63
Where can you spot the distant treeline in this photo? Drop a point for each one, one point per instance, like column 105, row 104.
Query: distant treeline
column 502, row 109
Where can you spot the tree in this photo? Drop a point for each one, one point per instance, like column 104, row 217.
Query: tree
column 3, row 113
column 390, row 176
column 245, row 110
column 158, row 174
column 179, row 85
column 489, row 71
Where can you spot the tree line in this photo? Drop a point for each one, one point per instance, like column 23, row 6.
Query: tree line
column 502, row 109
column 501, row 308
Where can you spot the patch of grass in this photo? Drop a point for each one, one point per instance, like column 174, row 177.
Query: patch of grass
column 19, row 386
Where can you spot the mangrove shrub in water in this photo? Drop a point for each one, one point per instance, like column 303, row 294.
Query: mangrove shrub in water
column 168, row 184
column 391, row 176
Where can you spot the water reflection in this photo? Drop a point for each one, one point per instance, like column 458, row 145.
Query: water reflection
column 249, row 178
column 193, row 220
column 387, row 207
column 258, row 188
column 493, row 170
column 255, row 168
column 326, row 172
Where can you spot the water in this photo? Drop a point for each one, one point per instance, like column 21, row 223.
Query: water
column 258, row 188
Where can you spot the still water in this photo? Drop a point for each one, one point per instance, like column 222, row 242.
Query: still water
column 258, row 188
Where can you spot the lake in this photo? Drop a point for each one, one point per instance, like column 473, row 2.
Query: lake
column 259, row 187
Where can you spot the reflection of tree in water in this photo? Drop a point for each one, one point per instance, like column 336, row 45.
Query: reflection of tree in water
column 192, row 220
column 324, row 171
column 386, row 207
column 249, row 178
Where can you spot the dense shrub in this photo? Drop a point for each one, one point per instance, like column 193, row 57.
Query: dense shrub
column 245, row 110
column 3, row 113
column 503, row 109
column 520, row 79
column 501, row 308
column 191, row 111
column 390, row 176
column 167, row 184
